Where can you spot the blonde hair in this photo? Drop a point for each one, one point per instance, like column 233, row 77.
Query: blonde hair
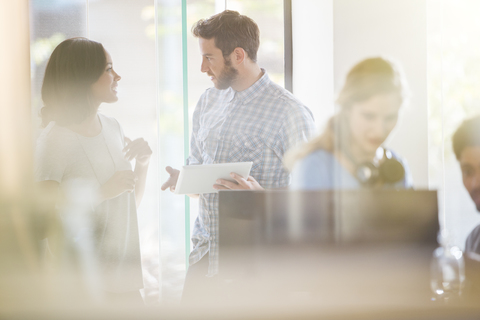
column 366, row 79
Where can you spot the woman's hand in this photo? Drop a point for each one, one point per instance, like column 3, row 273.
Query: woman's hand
column 120, row 182
column 241, row 183
column 139, row 150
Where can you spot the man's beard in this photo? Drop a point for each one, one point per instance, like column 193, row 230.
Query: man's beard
column 227, row 76
column 474, row 194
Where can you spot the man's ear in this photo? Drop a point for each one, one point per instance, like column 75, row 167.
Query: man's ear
column 238, row 56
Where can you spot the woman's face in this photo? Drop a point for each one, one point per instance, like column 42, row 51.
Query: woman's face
column 105, row 89
column 372, row 120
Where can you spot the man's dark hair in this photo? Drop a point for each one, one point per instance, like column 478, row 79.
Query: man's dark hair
column 467, row 135
column 230, row 30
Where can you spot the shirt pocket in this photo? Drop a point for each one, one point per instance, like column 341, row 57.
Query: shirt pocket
column 203, row 145
column 245, row 148
column 202, row 135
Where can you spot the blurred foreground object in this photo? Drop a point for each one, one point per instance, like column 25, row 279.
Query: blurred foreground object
column 365, row 249
column 448, row 273
column 19, row 254
column 27, row 216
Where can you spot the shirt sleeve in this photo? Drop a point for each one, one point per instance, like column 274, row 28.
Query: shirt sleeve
column 472, row 244
column 50, row 158
column 299, row 126
column 408, row 180
column 195, row 156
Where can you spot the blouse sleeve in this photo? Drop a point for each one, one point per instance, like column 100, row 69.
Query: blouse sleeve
column 120, row 131
column 313, row 172
column 50, row 158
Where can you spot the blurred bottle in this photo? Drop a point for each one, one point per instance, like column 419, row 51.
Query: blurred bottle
column 447, row 274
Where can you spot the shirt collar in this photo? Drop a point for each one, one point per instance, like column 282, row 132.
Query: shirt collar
column 252, row 91
column 231, row 94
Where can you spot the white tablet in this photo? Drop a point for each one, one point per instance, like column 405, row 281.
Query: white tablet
column 201, row 178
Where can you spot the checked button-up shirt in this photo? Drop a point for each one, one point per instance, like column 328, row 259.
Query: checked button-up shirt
column 258, row 124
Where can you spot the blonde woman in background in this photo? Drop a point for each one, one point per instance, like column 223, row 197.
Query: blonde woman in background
column 349, row 154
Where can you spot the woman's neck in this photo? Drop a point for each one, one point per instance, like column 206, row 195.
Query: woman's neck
column 90, row 127
column 353, row 156
column 359, row 155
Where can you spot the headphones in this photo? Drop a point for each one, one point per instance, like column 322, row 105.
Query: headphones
column 389, row 171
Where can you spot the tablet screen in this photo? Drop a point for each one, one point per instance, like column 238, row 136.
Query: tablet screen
column 199, row 179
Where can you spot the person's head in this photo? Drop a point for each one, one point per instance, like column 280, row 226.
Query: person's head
column 466, row 146
column 369, row 104
column 226, row 40
column 78, row 78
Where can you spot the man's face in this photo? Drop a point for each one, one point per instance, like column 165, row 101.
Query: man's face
column 220, row 70
column 470, row 165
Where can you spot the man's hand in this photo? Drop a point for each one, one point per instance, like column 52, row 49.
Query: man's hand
column 139, row 150
column 172, row 180
column 120, row 182
column 241, row 183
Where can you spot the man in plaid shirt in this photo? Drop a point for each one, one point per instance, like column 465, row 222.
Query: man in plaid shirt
column 245, row 117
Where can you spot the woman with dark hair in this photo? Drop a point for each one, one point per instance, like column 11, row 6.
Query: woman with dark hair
column 349, row 153
column 81, row 147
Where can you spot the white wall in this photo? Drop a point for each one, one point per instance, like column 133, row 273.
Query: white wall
column 394, row 28
column 313, row 56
